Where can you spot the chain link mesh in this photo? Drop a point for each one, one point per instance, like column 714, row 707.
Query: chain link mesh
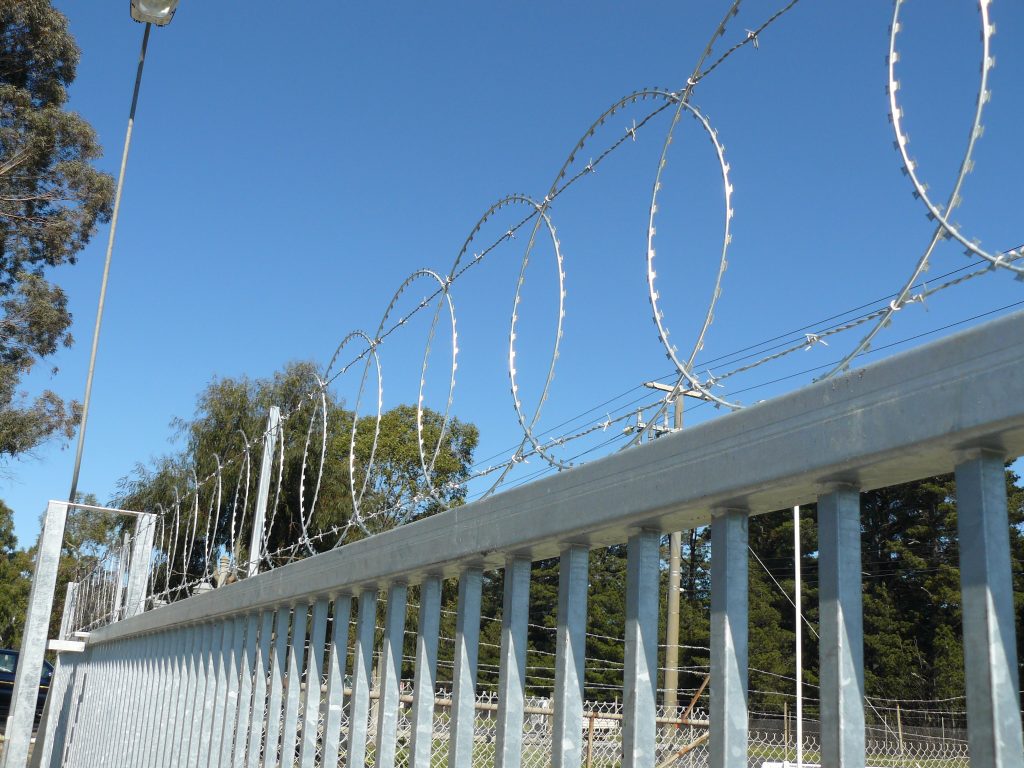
column 682, row 739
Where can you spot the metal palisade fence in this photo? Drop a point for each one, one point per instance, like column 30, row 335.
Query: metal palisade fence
column 219, row 678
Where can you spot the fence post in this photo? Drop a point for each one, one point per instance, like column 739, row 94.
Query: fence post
column 70, row 601
column 390, row 668
column 33, row 641
column 570, row 657
column 467, row 639
column 362, row 671
column 842, row 628
column 138, row 566
column 263, row 489
column 515, row 614
column 639, row 701
column 986, row 586
column 729, row 635
column 590, row 738
column 122, row 558
column 425, row 681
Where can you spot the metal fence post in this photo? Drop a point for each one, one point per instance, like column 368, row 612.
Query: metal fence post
column 259, row 689
column 425, row 681
column 341, row 612
column 67, row 617
column 362, row 663
column 33, row 641
column 641, row 660
column 570, row 657
column 263, row 490
column 842, row 628
column 986, row 585
column 515, row 614
column 138, row 568
column 390, row 676
column 314, row 673
column 467, row 644
column 296, row 662
column 729, row 634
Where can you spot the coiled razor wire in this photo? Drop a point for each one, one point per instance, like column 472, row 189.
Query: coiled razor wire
column 361, row 347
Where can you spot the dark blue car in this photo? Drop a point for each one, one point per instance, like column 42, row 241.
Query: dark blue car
column 8, row 666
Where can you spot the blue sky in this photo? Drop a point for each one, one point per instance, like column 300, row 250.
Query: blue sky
column 291, row 165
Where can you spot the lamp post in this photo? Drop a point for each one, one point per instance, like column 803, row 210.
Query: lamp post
column 149, row 12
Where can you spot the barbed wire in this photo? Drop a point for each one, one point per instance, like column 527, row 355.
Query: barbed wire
column 305, row 420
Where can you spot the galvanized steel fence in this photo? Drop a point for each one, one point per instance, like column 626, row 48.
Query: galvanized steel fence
column 218, row 679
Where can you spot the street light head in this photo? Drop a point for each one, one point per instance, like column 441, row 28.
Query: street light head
column 159, row 12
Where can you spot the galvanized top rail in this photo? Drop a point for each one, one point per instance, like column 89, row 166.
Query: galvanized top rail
column 902, row 419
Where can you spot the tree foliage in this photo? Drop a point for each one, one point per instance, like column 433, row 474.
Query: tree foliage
column 15, row 581
column 51, row 199
column 311, row 497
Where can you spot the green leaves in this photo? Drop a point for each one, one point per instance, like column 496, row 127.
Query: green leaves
column 51, row 200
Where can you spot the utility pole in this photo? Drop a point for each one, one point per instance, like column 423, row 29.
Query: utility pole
column 675, row 548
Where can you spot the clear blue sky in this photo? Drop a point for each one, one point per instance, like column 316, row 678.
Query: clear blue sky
column 293, row 164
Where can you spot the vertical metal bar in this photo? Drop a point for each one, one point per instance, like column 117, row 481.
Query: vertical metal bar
column 259, row 690
column 72, row 667
column 986, row 586
column 192, row 725
column 675, row 546
column 138, row 567
column 841, row 654
column 52, row 710
column 263, row 489
column 361, row 671
column 33, row 642
column 164, row 695
column 570, row 657
column 171, row 750
column 729, row 631
column 314, row 673
column 124, row 726
column 234, row 673
column 278, row 670
column 467, row 644
column 425, row 682
column 83, row 744
column 390, row 677
column 296, row 659
column 118, row 585
column 205, row 697
column 249, row 669
column 515, row 613
column 639, row 733
column 336, row 679
column 67, row 617
column 151, row 695
column 220, row 692
column 76, row 739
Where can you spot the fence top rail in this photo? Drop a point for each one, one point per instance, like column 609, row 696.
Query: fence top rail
column 97, row 508
column 907, row 417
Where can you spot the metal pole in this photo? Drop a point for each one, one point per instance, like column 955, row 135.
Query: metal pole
column 263, row 490
column 106, row 271
column 33, row 643
column 138, row 566
column 986, row 588
column 729, row 637
column 841, row 647
column 672, row 622
column 799, row 641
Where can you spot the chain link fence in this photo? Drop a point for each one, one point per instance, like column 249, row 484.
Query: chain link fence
column 682, row 738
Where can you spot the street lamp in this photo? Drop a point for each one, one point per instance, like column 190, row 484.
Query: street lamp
column 150, row 12
column 159, row 12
